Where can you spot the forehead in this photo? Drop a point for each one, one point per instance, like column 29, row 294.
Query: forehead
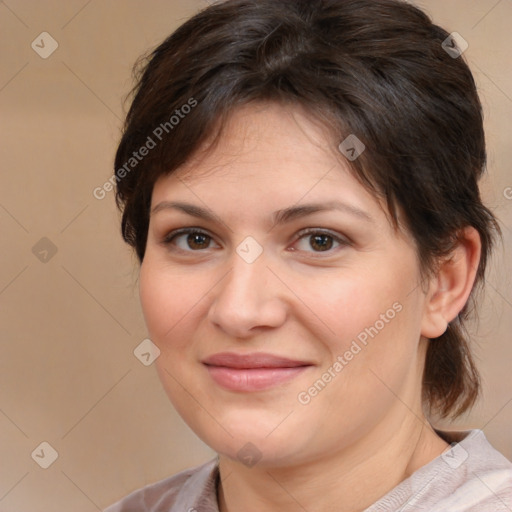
column 269, row 149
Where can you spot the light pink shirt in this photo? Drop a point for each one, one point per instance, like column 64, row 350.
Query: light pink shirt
column 469, row 477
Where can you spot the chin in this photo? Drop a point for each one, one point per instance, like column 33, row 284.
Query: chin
column 255, row 439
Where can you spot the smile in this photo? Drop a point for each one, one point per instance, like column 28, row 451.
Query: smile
column 252, row 372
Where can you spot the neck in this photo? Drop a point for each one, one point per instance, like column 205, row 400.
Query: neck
column 346, row 481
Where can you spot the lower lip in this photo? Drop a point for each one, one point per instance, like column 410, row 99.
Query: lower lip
column 255, row 379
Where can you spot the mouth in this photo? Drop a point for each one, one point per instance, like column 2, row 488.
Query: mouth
column 252, row 372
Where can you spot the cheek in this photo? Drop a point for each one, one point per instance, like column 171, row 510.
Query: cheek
column 167, row 299
column 374, row 323
column 355, row 306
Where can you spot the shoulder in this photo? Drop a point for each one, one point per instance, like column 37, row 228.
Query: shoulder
column 481, row 476
column 182, row 491
column 470, row 476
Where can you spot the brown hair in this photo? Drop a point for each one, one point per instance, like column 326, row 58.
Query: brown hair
column 377, row 69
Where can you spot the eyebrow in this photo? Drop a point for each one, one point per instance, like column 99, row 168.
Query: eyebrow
column 278, row 217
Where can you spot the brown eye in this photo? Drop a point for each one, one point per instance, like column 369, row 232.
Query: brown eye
column 316, row 241
column 189, row 240
column 321, row 242
column 197, row 240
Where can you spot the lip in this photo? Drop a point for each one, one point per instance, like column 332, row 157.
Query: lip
column 252, row 372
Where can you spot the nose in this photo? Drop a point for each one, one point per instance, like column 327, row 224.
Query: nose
column 249, row 299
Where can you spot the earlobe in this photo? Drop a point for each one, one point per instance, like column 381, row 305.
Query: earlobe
column 450, row 288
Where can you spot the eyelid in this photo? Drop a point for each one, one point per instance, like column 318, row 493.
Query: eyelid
column 337, row 236
column 185, row 231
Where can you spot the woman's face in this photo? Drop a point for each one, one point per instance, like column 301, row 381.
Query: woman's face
column 287, row 331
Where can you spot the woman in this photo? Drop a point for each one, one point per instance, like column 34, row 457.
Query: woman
column 299, row 180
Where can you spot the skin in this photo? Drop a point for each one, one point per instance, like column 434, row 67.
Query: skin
column 365, row 431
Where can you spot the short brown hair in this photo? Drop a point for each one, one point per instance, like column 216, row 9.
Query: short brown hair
column 376, row 69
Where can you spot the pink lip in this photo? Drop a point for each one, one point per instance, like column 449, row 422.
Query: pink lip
column 252, row 372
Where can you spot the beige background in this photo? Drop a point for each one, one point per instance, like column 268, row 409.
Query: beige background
column 69, row 325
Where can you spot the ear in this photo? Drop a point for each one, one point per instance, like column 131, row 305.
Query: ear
column 449, row 290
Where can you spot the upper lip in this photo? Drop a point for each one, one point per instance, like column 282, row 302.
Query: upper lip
column 250, row 361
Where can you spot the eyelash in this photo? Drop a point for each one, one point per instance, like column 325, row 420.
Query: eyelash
column 343, row 242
